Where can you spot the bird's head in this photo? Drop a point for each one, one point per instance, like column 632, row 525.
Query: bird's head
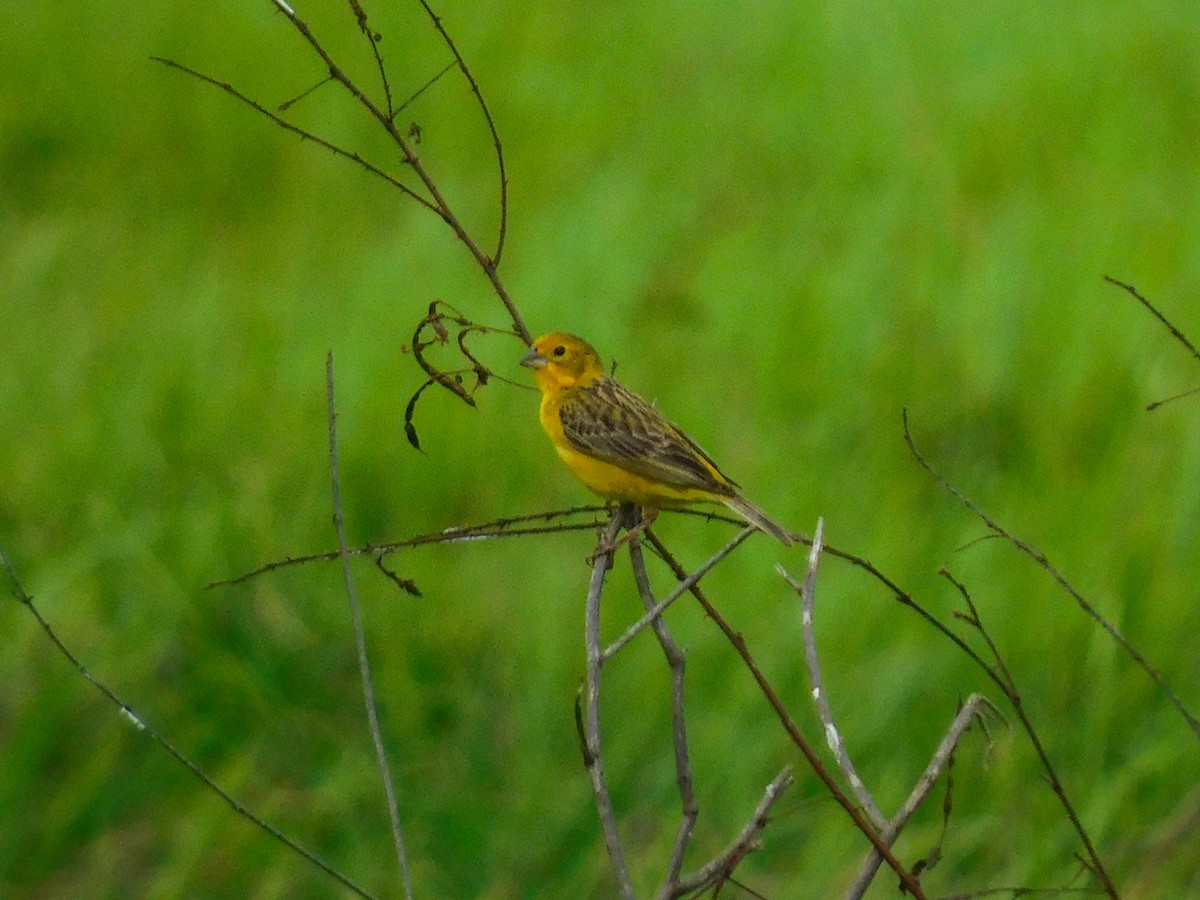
column 562, row 361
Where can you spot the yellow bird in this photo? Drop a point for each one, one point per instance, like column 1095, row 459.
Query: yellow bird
column 619, row 445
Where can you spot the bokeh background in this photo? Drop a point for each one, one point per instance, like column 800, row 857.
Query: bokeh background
column 786, row 223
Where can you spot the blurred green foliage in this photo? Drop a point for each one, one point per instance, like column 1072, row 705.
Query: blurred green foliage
column 786, row 223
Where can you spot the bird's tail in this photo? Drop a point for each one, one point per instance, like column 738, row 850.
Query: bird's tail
column 758, row 519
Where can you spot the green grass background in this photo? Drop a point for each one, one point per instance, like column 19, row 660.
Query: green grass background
column 786, row 222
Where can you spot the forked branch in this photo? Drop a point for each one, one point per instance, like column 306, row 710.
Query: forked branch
column 910, row 882
column 889, row 829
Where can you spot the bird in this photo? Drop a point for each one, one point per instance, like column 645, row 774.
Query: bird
column 619, row 445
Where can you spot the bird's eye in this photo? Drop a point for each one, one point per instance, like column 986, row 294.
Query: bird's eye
column 560, row 350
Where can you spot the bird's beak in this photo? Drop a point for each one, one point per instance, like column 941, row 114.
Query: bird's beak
column 533, row 359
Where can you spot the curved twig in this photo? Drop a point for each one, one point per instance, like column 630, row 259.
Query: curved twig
column 494, row 260
column 591, row 717
column 833, row 738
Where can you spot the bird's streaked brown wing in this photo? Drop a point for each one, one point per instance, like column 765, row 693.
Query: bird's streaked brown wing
column 611, row 423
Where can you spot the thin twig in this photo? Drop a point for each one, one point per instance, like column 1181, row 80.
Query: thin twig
column 485, row 531
column 143, row 725
column 504, row 528
column 677, row 663
column 904, row 598
column 592, row 742
column 833, row 737
column 373, row 39
column 1015, row 892
column 1000, row 674
column 1150, row 407
column 301, row 132
column 1003, row 677
column 1175, row 332
column 413, row 97
column 360, row 641
column 1040, row 558
column 494, row 530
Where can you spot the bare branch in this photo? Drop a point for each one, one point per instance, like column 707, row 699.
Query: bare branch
column 386, row 118
column 486, row 531
column 373, row 38
column 442, row 207
column 1150, row 407
column 360, row 641
column 889, row 830
column 412, row 98
column 487, row 115
column 1003, row 678
column 832, row 736
column 904, row 598
column 1015, row 892
column 1175, row 332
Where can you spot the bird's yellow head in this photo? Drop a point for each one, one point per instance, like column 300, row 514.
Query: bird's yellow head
column 561, row 361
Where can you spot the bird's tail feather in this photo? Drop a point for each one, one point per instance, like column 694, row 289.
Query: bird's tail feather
column 758, row 518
